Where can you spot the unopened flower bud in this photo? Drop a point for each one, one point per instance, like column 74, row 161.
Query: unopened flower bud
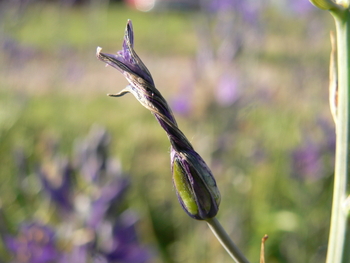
column 194, row 183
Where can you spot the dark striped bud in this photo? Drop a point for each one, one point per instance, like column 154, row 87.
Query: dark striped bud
column 195, row 185
column 193, row 181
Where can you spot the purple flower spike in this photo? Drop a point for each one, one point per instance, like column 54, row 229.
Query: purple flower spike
column 194, row 183
column 34, row 244
column 125, row 246
column 112, row 193
column 56, row 180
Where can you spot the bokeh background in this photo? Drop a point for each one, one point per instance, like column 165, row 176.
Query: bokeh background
column 248, row 84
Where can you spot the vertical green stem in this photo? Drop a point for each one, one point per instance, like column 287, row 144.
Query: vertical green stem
column 226, row 241
column 338, row 244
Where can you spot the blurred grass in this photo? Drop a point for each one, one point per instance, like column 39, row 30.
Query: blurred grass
column 48, row 26
column 58, row 89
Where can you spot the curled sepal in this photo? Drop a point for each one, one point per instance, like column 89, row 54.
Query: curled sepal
column 195, row 186
column 126, row 60
column 326, row 4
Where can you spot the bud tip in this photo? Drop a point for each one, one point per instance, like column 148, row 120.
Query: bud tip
column 98, row 50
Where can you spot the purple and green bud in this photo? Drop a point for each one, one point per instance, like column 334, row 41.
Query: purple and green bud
column 194, row 183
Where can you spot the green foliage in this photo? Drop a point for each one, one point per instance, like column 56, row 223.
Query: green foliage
column 49, row 27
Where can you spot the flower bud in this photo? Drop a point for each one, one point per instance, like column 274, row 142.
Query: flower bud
column 195, row 185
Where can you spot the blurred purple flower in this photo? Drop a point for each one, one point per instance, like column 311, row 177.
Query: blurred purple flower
column 246, row 9
column 92, row 154
column 19, row 53
column 314, row 159
column 87, row 210
column 124, row 242
column 35, row 243
column 227, row 90
column 102, row 173
column 110, row 194
column 300, row 6
column 181, row 103
column 78, row 254
column 307, row 162
column 56, row 178
column 329, row 141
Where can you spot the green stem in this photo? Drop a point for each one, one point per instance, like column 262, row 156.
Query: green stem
column 226, row 241
column 338, row 244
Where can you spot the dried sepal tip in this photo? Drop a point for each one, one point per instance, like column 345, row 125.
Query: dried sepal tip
column 98, row 50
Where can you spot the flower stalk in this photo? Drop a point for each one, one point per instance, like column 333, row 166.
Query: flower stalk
column 338, row 244
column 339, row 236
column 226, row 241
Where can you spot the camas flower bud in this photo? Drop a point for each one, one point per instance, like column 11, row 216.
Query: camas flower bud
column 193, row 181
column 194, row 184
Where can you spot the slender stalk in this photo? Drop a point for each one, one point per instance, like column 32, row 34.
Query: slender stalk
column 226, row 241
column 338, row 244
column 262, row 249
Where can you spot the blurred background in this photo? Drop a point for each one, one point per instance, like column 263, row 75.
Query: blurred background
column 86, row 178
